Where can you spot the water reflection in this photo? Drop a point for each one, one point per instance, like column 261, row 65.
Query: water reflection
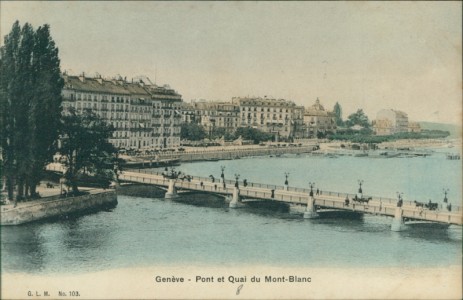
column 435, row 233
column 22, row 248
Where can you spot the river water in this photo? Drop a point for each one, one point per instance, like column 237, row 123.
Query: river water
column 150, row 231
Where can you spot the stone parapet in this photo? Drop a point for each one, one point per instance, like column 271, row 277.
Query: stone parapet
column 55, row 207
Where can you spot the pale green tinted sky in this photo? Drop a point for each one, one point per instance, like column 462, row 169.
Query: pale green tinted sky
column 371, row 55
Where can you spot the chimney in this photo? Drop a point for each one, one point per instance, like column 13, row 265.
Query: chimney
column 82, row 77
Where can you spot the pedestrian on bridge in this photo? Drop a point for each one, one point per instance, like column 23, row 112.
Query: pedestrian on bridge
column 318, row 192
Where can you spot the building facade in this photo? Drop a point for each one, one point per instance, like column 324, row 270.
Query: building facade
column 414, row 127
column 212, row 115
column 318, row 121
column 144, row 115
column 280, row 117
column 389, row 121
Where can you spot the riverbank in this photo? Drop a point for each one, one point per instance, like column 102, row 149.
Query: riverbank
column 218, row 153
column 56, row 206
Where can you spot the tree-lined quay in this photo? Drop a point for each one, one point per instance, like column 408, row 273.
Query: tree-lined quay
column 218, row 153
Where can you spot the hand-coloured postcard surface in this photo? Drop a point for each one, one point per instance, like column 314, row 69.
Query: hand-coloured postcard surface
column 231, row 150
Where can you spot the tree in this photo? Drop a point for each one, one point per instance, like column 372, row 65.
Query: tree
column 86, row 147
column 192, row 132
column 30, row 99
column 338, row 114
column 358, row 118
column 8, row 92
column 219, row 132
column 46, row 104
column 249, row 133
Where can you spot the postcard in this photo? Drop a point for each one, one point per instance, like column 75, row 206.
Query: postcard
column 231, row 150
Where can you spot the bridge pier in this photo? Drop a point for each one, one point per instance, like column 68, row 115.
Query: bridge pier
column 235, row 202
column 311, row 210
column 398, row 222
column 171, row 190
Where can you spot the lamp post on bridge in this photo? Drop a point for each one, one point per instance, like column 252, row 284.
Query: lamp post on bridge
column 222, row 168
column 448, row 205
column 311, row 184
column 360, row 186
column 445, row 195
column 286, row 180
column 237, row 176
column 399, row 199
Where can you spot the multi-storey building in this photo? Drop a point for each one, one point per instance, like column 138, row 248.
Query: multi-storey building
column 389, row 121
column 145, row 116
column 318, row 121
column 214, row 114
column 414, row 127
column 277, row 116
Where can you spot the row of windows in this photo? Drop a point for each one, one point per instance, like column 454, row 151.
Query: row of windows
column 262, row 116
column 245, row 108
column 96, row 97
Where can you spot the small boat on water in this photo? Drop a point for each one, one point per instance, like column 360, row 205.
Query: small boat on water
column 453, row 156
column 385, row 155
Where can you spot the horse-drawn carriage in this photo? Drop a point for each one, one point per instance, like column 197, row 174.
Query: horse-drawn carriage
column 361, row 200
column 430, row 205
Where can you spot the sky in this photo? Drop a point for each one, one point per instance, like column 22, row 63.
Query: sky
column 371, row 55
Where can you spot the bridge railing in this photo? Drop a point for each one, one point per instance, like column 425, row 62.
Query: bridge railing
column 383, row 200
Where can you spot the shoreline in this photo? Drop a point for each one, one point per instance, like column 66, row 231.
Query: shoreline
column 55, row 207
column 216, row 153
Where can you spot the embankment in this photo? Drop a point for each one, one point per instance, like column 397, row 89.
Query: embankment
column 218, row 154
column 51, row 207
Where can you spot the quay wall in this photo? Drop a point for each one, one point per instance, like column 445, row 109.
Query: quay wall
column 224, row 154
column 55, row 206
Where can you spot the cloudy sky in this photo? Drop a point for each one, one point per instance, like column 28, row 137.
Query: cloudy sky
column 370, row 55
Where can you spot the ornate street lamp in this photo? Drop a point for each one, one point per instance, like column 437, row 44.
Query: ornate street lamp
column 286, row 176
column 399, row 199
column 222, row 175
column 237, row 176
column 311, row 184
column 445, row 195
column 360, row 186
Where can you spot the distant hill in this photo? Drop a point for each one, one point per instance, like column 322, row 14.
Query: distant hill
column 455, row 130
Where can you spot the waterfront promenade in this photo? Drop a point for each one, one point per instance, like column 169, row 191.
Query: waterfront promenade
column 298, row 198
column 220, row 153
column 53, row 204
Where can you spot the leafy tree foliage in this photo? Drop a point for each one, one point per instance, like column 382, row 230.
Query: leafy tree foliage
column 338, row 114
column 86, row 147
column 192, row 132
column 30, row 101
column 249, row 133
column 358, row 118
column 219, row 132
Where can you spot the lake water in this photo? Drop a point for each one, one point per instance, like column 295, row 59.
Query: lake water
column 150, row 232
